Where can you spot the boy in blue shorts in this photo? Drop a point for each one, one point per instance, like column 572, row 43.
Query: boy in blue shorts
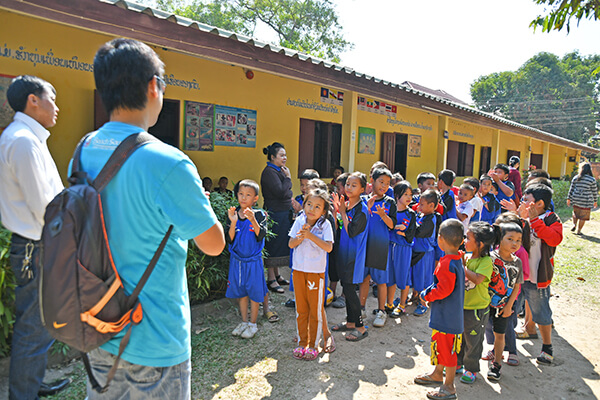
column 446, row 296
column 245, row 234
column 445, row 182
column 382, row 219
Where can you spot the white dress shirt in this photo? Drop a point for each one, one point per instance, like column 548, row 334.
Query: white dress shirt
column 29, row 179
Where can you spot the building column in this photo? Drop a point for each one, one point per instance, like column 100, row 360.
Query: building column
column 546, row 158
column 495, row 148
column 442, row 144
column 563, row 164
column 526, row 161
column 349, row 128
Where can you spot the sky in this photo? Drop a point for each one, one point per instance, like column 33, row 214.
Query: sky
column 447, row 45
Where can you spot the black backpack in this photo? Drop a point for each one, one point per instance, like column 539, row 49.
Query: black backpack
column 82, row 300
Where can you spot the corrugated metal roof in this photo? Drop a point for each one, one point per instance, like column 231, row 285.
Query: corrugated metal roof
column 186, row 22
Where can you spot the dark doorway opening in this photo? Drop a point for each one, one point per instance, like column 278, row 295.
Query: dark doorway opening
column 394, row 151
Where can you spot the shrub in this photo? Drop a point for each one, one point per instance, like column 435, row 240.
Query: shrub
column 7, row 293
column 561, row 191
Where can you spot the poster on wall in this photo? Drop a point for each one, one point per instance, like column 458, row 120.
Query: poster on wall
column 6, row 112
column 199, row 132
column 235, row 127
column 366, row 140
column 414, row 146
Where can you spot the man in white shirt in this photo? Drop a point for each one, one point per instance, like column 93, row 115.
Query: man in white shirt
column 29, row 180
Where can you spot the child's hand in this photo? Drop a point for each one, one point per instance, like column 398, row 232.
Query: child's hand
column 232, row 214
column 249, row 213
column 379, row 210
column 506, row 312
column 370, row 202
column 400, row 227
column 492, row 174
column 303, row 233
column 509, row 205
column 296, row 206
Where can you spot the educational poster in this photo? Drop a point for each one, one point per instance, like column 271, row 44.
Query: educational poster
column 6, row 112
column 366, row 140
column 332, row 96
column 376, row 107
column 199, row 132
column 414, row 146
column 235, row 127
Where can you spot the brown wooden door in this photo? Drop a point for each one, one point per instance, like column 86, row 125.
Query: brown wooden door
column 388, row 150
column 307, row 145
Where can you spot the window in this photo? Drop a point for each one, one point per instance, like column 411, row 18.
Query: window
column 460, row 158
column 537, row 160
column 320, row 146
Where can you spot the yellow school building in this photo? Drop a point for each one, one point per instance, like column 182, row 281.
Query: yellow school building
column 228, row 96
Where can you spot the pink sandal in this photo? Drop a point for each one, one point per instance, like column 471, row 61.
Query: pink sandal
column 298, row 353
column 310, row 354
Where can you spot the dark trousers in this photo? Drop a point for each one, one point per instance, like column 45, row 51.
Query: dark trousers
column 472, row 346
column 353, row 309
column 31, row 341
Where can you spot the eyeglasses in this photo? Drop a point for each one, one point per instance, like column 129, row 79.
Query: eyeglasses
column 161, row 84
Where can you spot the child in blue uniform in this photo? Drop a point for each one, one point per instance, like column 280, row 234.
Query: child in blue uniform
column 491, row 206
column 445, row 181
column 401, row 242
column 506, row 189
column 352, row 252
column 423, row 256
column 246, row 233
column 382, row 219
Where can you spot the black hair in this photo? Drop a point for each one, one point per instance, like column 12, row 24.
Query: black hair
column 453, row 232
column 272, row 150
column 321, row 194
column 512, row 217
column 317, row 183
column 503, row 167
column 484, row 235
column 400, row 188
column 514, row 160
column 539, row 173
column 540, row 192
column 309, row 174
column 206, row 179
column 585, row 169
column 485, row 177
column 468, row 187
column 473, row 182
column 22, row 86
column 424, row 176
column 431, row 196
column 340, row 168
column 362, row 178
column 122, row 70
column 377, row 172
column 223, row 177
column 397, row 176
column 500, row 230
column 447, row 176
column 342, row 178
column 245, row 183
column 377, row 164
column 539, row 181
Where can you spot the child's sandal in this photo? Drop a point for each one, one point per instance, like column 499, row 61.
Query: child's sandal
column 310, row 354
column 298, row 353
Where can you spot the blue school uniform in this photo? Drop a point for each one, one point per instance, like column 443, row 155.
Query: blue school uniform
column 246, row 271
column 423, row 256
column 501, row 196
column 491, row 208
column 400, row 253
column 449, row 202
column 353, row 245
column 378, row 239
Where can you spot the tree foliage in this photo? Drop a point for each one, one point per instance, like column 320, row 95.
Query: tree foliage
column 556, row 95
column 309, row 26
column 559, row 12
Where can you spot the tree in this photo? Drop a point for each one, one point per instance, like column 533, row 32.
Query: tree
column 556, row 95
column 309, row 26
column 560, row 12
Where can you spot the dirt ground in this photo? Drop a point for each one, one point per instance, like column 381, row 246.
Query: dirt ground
column 383, row 365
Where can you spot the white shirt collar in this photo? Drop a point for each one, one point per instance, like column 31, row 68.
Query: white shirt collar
column 36, row 128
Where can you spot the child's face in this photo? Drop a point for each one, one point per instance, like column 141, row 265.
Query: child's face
column 353, row 187
column 425, row 206
column 381, row 185
column 427, row 184
column 471, row 244
column 314, row 208
column 486, row 186
column 405, row 199
column 223, row 183
column 501, row 174
column 511, row 242
column 537, row 205
column 465, row 195
column 304, row 186
column 340, row 188
column 442, row 187
column 247, row 197
column 207, row 184
column 336, row 173
column 494, row 190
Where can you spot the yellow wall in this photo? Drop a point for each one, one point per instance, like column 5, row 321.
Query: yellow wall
column 557, row 155
column 537, row 147
column 479, row 136
column 513, row 142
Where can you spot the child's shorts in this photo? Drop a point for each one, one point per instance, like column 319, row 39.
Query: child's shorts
column 246, row 278
column 379, row 276
column 539, row 302
column 399, row 265
column 499, row 323
column 422, row 271
column 444, row 348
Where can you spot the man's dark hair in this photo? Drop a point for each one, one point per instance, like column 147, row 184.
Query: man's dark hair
column 539, row 173
column 447, row 176
column 431, row 196
column 540, row 192
column 122, row 70
column 424, row 176
column 538, row 181
column 309, row 174
column 503, row 167
column 245, row 183
column 453, row 232
column 473, row 182
column 22, row 86
column 377, row 172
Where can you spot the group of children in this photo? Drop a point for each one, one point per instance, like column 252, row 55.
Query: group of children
column 470, row 254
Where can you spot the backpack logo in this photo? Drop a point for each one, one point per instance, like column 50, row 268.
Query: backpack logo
column 58, row 326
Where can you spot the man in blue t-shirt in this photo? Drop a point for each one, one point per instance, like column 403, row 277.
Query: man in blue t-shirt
column 157, row 186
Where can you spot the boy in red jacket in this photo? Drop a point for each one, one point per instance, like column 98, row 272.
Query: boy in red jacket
column 546, row 234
